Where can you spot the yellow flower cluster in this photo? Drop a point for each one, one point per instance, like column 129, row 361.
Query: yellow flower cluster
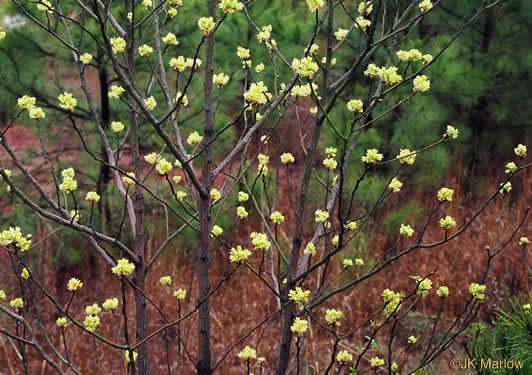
column 3, row 295
column 340, row 34
column 259, row 68
column 265, row 34
column 26, row 102
column 61, row 322
column 310, row 249
column 180, row 294
column 406, row 230
column 395, row 185
column 303, row 90
column 243, row 197
column 451, row 132
column 239, row 255
column 392, row 300
column 321, row 216
column 355, row 105
column 299, row 296
column 37, row 114
column 127, row 353
column 117, row 126
column 447, row 222
column 287, row 158
column 344, row 356
column 315, row 5
column 150, row 103
column 306, row 67
column 163, row 167
column 277, row 217
column 442, row 291
column 510, row 168
column 230, row 6
column 93, row 309
column 445, row 194
column 376, row 362
column 14, row 236
column 194, row 138
column 257, row 94
column 217, row 231
column 332, row 316
column 118, row 45
column 17, row 303
column 372, row 156
column 477, row 291
column 152, row 158
column 74, row 284
column 69, row 184
column 299, row 327
column 524, row 241
column 425, row 6
column 145, row 50
column 505, row 188
column 362, row 23
column 92, row 196
column 260, row 241
column 170, row 39
column 147, row 4
column 67, row 101
column 45, row 6
column 248, row 354
column 116, row 91
column 406, row 156
column 91, row 322
column 243, row 53
column 123, row 268
column 128, row 179
column 207, row 25
column 421, row 84
column 220, row 79
column 424, row 287
column 520, row 150
column 364, row 7
column 330, row 163
column 110, row 304
column 184, row 100
column 25, row 274
column 166, row 280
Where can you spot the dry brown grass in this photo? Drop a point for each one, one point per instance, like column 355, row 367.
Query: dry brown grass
column 243, row 301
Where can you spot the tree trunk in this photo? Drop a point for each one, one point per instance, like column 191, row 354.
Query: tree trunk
column 204, row 256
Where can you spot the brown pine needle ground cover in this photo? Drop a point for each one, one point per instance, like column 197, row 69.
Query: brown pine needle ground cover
column 243, row 302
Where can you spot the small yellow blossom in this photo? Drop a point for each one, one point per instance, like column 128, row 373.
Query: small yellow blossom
column 505, row 188
column 166, row 280
column 127, row 352
column 287, row 158
column 241, row 212
column 372, row 156
column 260, row 241
column 45, row 6
column 321, row 216
column 37, row 114
column 259, row 68
column 332, row 316
column 217, row 231
column 299, row 327
column 145, row 50
column 477, row 291
column 206, row 24
column 310, row 249
column 344, row 356
column 180, row 294
column 163, row 167
column 372, row 71
column 116, row 91
column 150, row 103
column 421, row 84
column 395, row 185
column 341, row 34
column 194, row 138
column 170, row 39
column 230, row 6
column 110, row 304
column 91, row 322
column 118, row 45
column 445, row 194
column 243, row 197
column 315, row 5
column 443, row 291
column 277, row 217
column 406, row 157
column 299, row 296
column 248, row 354
column 74, row 284
column 524, row 241
column 61, row 322
column 220, row 79
column 406, row 230
column 92, row 196
column 117, row 126
column 17, row 303
column 355, row 105
column 447, row 222
column 152, row 158
column 26, row 102
column 511, row 167
column 25, row 274
column 123, row 268
column 520, row 150
column 128, row 179
column 451, row 132
column 306, row 67
column 239, row 255
column 215, row 194
column 376, row 362
column 425, row 6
